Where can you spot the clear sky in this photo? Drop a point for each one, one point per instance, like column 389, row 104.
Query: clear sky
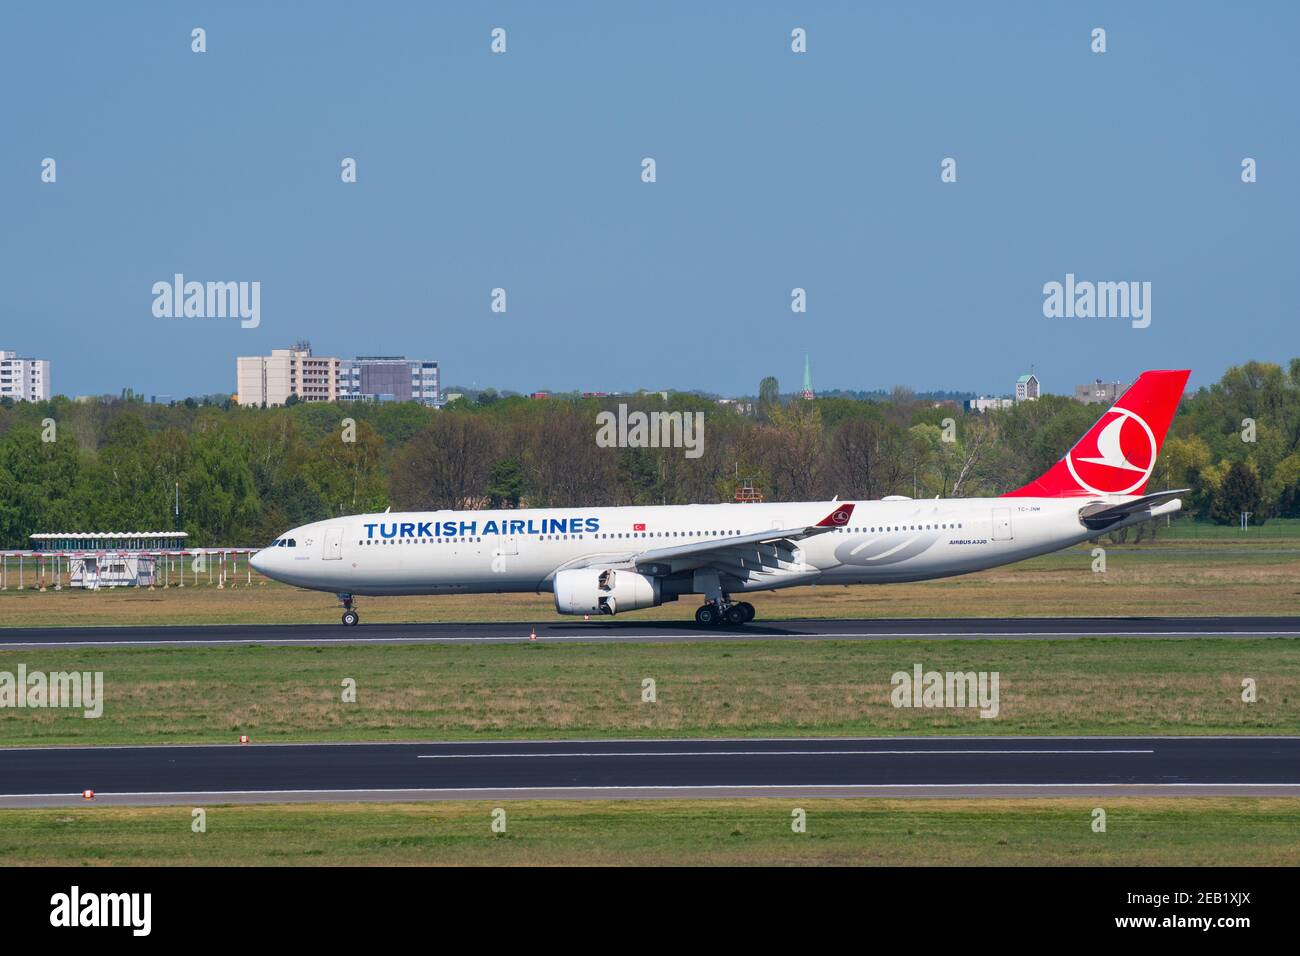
column 775, row 170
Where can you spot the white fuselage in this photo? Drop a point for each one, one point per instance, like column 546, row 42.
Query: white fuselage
column 449, row 552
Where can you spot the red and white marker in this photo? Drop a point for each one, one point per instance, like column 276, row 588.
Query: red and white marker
column 243, row 738
column 532, row 635
column 88, row 794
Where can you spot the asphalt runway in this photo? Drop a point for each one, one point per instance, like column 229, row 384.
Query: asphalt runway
column 803, row 767
column 604, row 630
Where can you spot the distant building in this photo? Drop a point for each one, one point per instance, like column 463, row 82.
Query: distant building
column 983, row 404
column 1027, row 388
column 271, row 379
column 24, row 379
column 1098, row 392
column 389, row 378
column 109, row 559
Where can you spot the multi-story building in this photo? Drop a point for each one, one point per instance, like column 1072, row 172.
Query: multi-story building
column 24, row 379
column 389, row 378
column 271, row 379
column 1098, row 392
column 1027, row 388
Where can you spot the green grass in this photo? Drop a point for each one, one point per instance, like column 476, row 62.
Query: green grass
column 1274, row 529
column 414, row 692
column 1139, row 831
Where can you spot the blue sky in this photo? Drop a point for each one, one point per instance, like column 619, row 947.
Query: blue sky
column 775, row 170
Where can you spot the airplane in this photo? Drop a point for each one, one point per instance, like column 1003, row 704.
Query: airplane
column 614, row 560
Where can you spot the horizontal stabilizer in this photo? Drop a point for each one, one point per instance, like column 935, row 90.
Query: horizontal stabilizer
column 1098, row 516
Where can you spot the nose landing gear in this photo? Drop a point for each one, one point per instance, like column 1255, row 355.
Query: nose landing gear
column 350, row 616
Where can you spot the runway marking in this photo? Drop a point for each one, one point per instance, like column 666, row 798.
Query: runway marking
column 770, row 753
column 702, row 786
column 921, row 738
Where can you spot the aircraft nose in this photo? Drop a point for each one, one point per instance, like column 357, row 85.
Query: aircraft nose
column 259, row 562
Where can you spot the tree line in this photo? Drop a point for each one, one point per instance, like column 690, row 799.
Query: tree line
column 243, row 475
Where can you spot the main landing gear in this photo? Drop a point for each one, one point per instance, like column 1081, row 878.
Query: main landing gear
column 350, row 616
column 719, row 612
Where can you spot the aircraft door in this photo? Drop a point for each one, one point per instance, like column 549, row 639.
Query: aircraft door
column 1002, row 524
column 333, row 543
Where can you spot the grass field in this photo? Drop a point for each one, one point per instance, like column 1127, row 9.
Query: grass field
column 1185, row 832
column 1179, row 578
column 426, row 692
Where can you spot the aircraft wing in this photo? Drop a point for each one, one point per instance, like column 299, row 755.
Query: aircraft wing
column 1099, row 515
column 757, row 556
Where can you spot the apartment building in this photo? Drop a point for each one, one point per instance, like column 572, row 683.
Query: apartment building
column 24, row 379
column 271, row 379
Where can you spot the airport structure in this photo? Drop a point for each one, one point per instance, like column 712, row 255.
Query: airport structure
column 109, row 559
column 24, row 379
column 272, row 379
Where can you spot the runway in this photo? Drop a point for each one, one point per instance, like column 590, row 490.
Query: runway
column 621, row 769
column 613, row 631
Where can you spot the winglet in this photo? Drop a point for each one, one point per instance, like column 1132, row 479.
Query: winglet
column 837, row 518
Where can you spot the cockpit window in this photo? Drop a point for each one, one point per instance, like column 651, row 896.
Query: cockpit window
column 284, row 543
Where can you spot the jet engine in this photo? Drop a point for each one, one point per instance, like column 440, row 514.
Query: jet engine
column 604, row 591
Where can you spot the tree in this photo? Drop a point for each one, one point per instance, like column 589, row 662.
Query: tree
column 506, row 484
column 769, row 397
column 446, row 464
column 1240, row 491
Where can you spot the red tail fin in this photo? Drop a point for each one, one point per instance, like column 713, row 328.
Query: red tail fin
column 1118, row 454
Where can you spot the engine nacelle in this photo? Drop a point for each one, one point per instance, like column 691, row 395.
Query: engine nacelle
column 604, row 591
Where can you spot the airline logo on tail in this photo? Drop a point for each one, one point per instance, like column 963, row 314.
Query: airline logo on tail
column 1118, row 454
column 1125, row 455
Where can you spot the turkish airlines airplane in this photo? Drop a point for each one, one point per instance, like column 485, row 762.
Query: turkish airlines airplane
column 612, row 560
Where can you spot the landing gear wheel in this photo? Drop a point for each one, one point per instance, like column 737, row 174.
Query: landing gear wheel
column 707, row 614
column 350, row 617
column 735, row 615
column 748, row 610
